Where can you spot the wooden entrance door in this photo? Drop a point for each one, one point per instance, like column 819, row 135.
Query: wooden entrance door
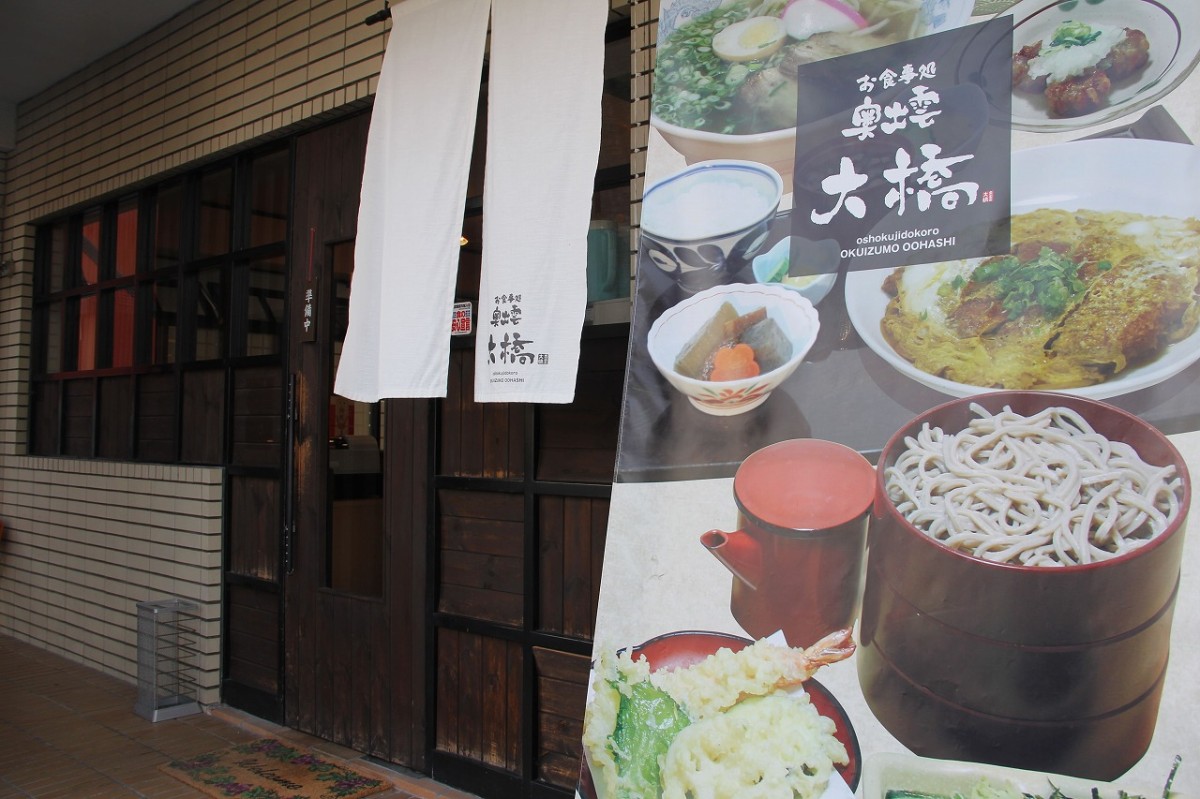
column 355, row 557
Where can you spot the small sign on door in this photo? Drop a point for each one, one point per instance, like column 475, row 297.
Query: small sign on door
column 460, row 323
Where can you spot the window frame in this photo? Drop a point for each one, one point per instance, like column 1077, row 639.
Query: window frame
column 61, row 375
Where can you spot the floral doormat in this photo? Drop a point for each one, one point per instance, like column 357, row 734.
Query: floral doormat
column 268, row 769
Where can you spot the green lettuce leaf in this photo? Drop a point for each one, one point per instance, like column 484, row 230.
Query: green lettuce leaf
column 647, row 722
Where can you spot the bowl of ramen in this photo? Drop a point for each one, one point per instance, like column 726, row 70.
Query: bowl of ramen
column 725, row 73
column 728, row 347
column 1024, row 559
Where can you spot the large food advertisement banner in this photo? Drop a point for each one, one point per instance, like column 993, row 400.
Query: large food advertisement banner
column 912, row 408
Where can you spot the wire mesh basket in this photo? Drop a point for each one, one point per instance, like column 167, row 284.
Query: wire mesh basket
column 167, row 652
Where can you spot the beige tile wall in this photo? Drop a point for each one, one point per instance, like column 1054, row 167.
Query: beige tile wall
column 86, row 540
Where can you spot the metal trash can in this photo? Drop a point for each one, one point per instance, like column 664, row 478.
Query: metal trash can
column 167, row 651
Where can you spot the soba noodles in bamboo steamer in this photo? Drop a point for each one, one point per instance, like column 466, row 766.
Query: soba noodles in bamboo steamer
column 1045, row 650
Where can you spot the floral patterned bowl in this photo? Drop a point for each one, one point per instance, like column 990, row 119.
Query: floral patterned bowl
column 793, row 313
column 704, row 223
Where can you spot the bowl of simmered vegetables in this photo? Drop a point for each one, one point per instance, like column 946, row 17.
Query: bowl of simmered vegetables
column 728, row 347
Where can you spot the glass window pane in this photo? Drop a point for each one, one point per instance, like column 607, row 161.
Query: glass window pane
column 89, row 248
column 165, row 320
column 269, row 198
column 264, row 314
column 216, row 211
column 211, row 313
column 342, row 256
column 54, row 337
column 355, row 538
column 58, row 255
column 168, row 224
column 85, row 355
column 123, row 304
column 127, row 223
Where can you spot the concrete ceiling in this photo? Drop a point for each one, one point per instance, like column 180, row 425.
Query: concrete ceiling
column 44, row 41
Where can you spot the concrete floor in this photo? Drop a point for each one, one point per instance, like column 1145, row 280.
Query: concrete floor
column 69, row 731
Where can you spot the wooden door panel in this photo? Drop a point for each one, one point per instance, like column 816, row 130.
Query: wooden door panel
column 479, row 698
column 203, row 416
column 561, row 694
column 254, row 514
column 571, row 553
column 479, row 439
column 354, row 659
column 253, row 656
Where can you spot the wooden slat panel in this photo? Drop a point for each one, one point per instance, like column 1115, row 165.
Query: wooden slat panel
column 516, row 693
column 252, row 617
column 478, row 604
column 562, row 692
column 469, row 734
column 479, row 439
column 482, row 505
column 450, row 417
column 550, row 567
column 478, row 570
column 156, row 417
column 470, row 454
column 402, row 679
column 577, row 557
column 339, row 711
column 114, row 432
column 78, row 402
column 479, row 698
column 571, row 541
column 202, row 437
column 481, row 537
column 497, row 716
column 578, row 441
column 45, row 416
column 488, row 536
column 600, row 510
column 323, row 665
column 254, row 526
column 257, row 422
column 446, row 723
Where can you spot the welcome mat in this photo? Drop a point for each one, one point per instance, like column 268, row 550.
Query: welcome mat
column 268, row 769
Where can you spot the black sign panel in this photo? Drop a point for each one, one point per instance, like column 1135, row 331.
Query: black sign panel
column 903, row 151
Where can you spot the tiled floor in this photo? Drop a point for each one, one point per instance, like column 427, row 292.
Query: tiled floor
column 70, row 731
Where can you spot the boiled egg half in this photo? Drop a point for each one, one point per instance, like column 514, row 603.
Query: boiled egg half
column 750, row 39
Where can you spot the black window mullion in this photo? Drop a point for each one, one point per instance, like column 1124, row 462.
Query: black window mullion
column 240, row 217
column 239, row 299
column 105, row 321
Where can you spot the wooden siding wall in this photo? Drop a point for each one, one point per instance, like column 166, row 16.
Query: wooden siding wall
column 85, row 540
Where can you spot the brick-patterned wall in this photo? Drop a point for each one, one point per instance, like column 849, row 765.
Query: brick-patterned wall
column 86, row 540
